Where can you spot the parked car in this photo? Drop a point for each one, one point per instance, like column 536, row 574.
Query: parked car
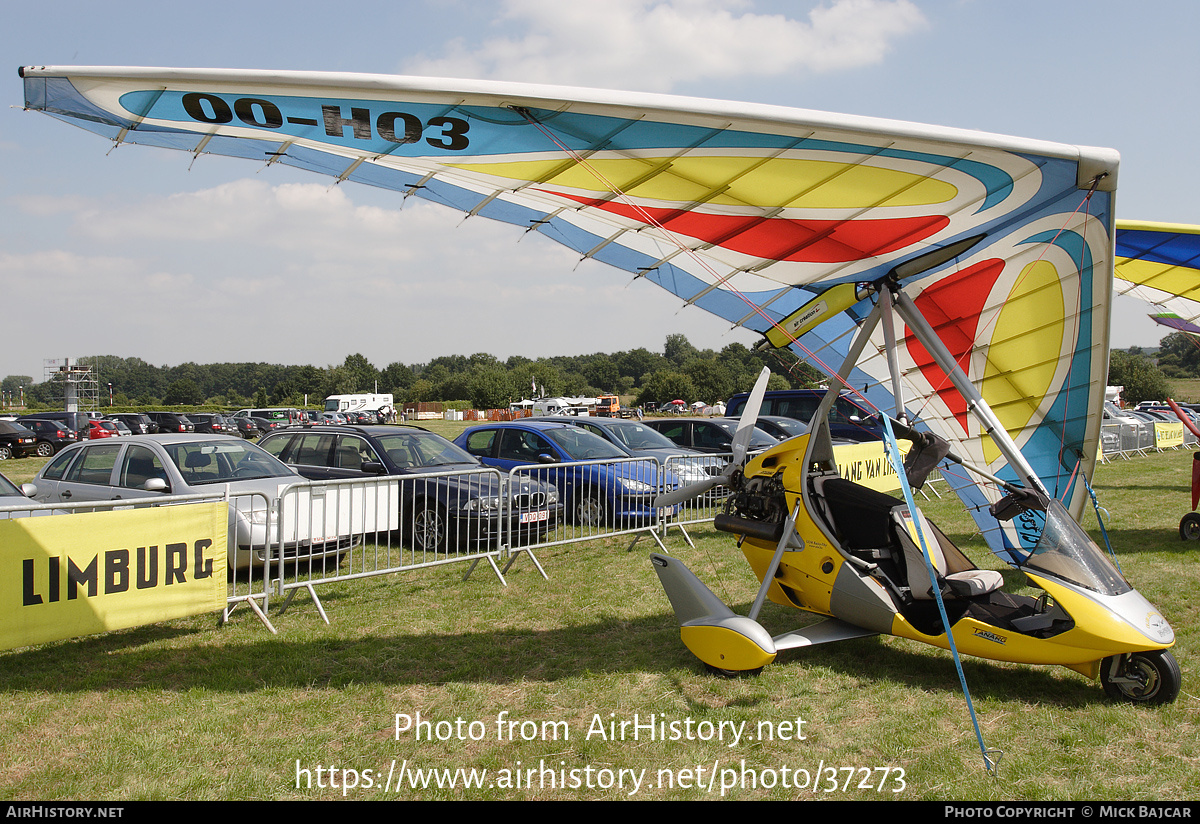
column 266, row 425
column 102, row 429
column 180, row 464
column 51, row 435
column 438, row 514
column 636, row 438
column 77, row 422
column 171, row 422
column 778, row 426
column 138, row 423
column 16, row 441
column 210, row 423
column 122, row 429
column 708, row 434
column 593, row 494
column 243, row 426
column 848, row 419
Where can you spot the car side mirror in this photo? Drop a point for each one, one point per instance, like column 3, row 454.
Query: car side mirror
column 28, row 490
column 546, row 458
column 373, row 467
column 156, row 485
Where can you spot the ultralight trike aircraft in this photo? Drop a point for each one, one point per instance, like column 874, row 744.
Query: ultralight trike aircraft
column 872, row 563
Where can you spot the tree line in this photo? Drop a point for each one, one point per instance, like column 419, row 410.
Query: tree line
column 481, row 381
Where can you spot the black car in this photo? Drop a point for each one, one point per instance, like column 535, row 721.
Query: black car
column 436, row 513
column 171, row 422
column 51, row 435
column 707, row 434
column 243, row 426
column 209, row 423
column 16, row 441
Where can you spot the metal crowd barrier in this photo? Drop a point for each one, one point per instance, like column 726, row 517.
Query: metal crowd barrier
column 394, row 524
column 690, row 469
column 1126, row 440
column 597, row 499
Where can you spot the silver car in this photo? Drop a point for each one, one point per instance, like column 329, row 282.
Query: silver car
column 183, row 464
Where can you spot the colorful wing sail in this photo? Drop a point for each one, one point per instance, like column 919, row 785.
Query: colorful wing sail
column 746, row 211
column 1159, row 263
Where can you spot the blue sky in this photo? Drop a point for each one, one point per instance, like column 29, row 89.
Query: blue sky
column 139, row 253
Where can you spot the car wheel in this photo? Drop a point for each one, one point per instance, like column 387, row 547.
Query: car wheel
column 591, row 507
column 5, row 452
column 45, row 449
column 429, row 531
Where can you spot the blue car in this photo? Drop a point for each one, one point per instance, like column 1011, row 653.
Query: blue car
column 620, row 493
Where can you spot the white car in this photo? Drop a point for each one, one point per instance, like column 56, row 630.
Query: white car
column 183, row 464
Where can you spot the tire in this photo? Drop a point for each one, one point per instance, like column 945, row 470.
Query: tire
column 1156, row 674
column 45, row 449
column 1189, row 527
column 590, row 508
column 728, row 673
column 429, row 529
column 5, row 452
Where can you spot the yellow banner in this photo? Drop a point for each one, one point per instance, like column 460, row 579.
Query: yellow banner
column 1168, row 435
column 866, row 464
column 62, row 576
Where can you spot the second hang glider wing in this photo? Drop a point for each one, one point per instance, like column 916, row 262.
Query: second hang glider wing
column 1159, row 263
column 745, row 211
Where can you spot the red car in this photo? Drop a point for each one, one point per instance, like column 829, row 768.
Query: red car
column 103, row 429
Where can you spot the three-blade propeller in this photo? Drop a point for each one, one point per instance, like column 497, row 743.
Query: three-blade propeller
column 741, row 447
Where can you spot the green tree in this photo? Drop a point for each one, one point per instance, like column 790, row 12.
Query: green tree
column 182, row 391
column 665, row 386
column 1143, row 381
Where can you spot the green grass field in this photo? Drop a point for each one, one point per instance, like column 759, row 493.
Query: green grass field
column 531, row 683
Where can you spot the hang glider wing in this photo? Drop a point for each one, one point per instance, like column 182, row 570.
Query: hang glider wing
column 1159, row 263
column 748, row 212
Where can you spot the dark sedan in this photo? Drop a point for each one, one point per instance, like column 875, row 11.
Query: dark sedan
column 438, row 512
column 51, row 435
column 16, row 441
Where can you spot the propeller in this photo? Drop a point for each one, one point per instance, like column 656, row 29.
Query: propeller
column 741, row 446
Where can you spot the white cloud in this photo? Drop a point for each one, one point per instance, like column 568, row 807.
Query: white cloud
column 651, row 45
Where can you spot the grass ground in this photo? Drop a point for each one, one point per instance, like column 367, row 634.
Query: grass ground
column 189, row 710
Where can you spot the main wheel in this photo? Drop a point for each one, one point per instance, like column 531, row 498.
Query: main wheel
column 1145, row 678
column 1189, row 527
column 5, row 452
column 45, row 449
column 429, row 531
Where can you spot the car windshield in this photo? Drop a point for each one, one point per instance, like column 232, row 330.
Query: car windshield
column 7, row 487
column 758, row 438
column 583, row 446
column 637, row 436
column 790, row 426
column 1065, row 550
column 423, row 449
column 221, row 461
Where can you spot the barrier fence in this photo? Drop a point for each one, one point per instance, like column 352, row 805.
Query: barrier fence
column 1124, row 440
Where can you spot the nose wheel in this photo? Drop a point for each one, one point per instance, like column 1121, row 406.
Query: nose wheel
column 1141, row 677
